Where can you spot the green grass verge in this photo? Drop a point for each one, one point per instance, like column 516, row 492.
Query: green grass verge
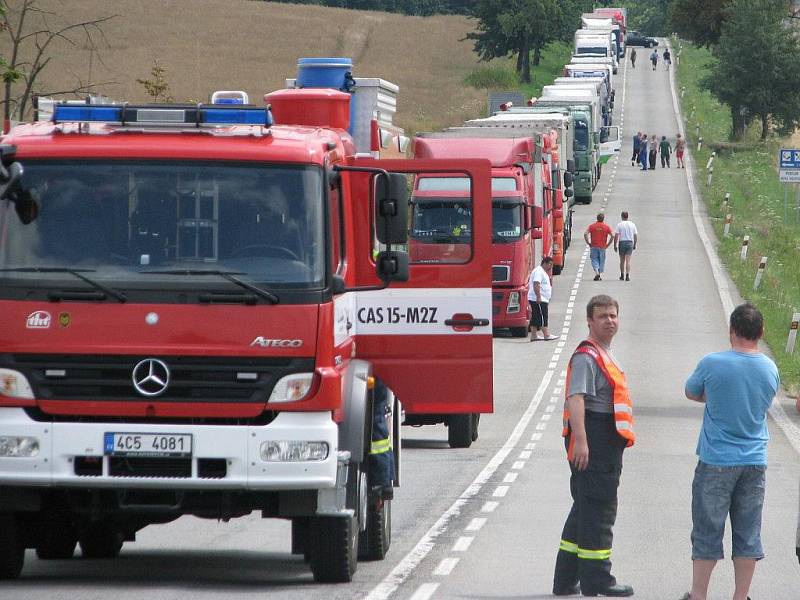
column 501, row 75
column 750, row 176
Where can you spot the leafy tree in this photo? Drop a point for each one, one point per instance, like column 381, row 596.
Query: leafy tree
column 700, row 21
column 32, row 36
column 519, row 27
column 756, row 72
column 649, row 16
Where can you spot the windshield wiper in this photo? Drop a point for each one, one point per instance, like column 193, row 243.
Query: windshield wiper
column 56, row 296
column 229, row 275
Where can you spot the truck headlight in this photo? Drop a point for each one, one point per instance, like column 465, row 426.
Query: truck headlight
column 513, row 302
column 14, row 384
column 293, row 451
column 18, row 447
column 292, row 387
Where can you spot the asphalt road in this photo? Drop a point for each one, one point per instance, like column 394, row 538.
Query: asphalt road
column 485, row 522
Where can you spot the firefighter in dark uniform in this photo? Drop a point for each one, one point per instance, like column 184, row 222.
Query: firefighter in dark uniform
column 598, row 426
column 381, row 454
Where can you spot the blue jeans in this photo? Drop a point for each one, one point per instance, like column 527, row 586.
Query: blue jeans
column 717, row 492
column 598, row 258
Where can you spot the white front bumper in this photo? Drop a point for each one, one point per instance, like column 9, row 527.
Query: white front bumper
column 240, row 446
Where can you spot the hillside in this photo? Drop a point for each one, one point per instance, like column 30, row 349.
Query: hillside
column 243, row 44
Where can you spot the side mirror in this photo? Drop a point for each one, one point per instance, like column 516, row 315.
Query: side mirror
column 569, row 179
column 391, row 209
column 25, row 203
column 570, row 167
column 392, row 266
column 568, row 193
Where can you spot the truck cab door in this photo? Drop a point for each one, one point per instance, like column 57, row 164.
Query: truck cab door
column 610, row 143
column 430, row 338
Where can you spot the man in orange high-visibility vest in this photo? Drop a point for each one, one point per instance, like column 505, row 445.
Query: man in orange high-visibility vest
column 598, row 426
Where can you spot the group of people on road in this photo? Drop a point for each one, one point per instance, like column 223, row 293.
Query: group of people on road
column 646, row 151
column 667, row 56
column 736, row 386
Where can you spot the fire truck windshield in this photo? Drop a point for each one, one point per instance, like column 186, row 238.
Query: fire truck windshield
column 122, row 220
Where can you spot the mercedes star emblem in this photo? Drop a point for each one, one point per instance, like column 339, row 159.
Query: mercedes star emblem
column 151, row 377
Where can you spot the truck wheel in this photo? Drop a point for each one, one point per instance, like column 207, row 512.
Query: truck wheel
column 12, row 550
column 519, row 331
column 557, row 269
column 57, row 541
column 333, row 551
column 101, row 540
column 459, row 431
column 476, row 418
column 374, row 541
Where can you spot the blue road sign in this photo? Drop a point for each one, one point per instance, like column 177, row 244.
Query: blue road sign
column 789, row 159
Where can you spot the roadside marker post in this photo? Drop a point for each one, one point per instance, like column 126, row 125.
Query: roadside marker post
column 683, row 88
column 710, row 160
column 792, row 333
column 760, row 273
column 726, row 230
column 745, row 245
column 699, row 143
column 726, row 201
column 710, row 175
column 697, row 130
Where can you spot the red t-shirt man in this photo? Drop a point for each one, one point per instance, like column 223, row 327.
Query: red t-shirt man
column 599, row 236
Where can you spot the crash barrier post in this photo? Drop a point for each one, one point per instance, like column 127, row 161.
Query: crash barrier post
column 726, row 230
column 699, row 144
column 760, row 273
column 792, row 333
column 745, row 244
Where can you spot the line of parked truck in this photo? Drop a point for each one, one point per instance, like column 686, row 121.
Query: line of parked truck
column 545, row 156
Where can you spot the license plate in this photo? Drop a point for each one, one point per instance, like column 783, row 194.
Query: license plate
column 174, row 445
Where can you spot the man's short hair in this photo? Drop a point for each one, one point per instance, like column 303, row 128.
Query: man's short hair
column 624, row 214
column 601, row 216
column 747, row 321
column 547, row 260
column 601, row 300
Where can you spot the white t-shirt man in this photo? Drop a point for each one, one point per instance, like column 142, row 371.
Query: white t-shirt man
column 626, row 231
column 545, row 289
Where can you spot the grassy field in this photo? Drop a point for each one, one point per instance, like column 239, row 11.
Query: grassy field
column 750, row 176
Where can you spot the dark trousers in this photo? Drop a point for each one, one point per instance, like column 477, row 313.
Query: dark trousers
column 653, row 159
column 585, row 551
column 664, row 160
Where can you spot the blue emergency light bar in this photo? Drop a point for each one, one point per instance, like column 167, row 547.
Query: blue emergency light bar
column 163, row 115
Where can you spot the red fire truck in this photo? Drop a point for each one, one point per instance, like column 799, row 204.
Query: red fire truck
column 197, row 308
column 522, row 213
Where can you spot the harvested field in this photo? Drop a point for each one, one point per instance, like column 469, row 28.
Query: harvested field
column 206, row 45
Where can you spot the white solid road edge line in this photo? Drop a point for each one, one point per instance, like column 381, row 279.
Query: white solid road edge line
column 726, row 291
column 423, row 547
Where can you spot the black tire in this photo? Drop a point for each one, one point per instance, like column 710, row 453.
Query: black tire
column 300, row 530
column 374, row 541
column 519, row 332
column 12, row 550
column 557, row 269
column 476, row 419
column 459, row 431
column 57, row 541
column 333, row 552
column 101, row 540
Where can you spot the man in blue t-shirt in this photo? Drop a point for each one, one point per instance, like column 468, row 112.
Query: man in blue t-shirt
column 737, row 387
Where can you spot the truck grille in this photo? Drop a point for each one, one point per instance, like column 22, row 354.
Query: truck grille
column 192, row 378
column 149, row 467
column 500, row 273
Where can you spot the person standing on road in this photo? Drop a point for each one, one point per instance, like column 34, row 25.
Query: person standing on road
column 598, row 426
column 653, row 152
column 643, row 152
column 633, row 58
column 737, row 387
column 654, row 58
column 599, row 237
column 680, row 148
column 667, row 59
column 665, row 148
column 539, row 292
column 637, row 139
column 625, row 239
